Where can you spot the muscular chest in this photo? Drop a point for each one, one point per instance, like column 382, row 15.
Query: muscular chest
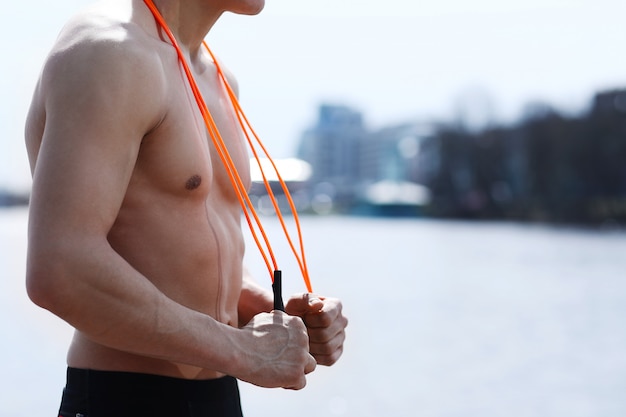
column 180, row 154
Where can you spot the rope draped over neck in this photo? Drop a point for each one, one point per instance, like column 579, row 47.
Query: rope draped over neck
column 247, row 207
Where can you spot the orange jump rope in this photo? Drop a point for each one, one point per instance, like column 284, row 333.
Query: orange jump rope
column 247, row 207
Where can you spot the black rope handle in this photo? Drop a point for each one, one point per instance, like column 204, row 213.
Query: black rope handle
column 278, row 291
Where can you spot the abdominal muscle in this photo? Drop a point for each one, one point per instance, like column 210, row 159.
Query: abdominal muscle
column 190, row 251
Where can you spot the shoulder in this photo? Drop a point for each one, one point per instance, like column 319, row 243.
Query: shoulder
column 103, row 53
column 103, row 61
column 230, row 78
column 232, row 81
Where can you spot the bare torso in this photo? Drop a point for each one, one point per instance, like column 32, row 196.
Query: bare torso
column 179, row 221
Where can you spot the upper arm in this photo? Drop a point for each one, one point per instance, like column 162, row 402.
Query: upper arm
column 95, row 96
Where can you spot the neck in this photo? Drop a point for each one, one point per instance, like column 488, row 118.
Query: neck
column 189, row 20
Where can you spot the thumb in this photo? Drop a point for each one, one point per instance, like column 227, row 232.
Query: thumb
column 299, row 305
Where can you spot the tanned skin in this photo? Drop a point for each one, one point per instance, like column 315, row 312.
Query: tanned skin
column 134, row 234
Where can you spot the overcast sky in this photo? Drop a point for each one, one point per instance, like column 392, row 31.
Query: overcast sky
column 394, row 60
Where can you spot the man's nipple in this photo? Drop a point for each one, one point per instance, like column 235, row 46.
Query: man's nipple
column 193, row 182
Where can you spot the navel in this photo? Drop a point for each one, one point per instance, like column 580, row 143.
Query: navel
column 193, row 182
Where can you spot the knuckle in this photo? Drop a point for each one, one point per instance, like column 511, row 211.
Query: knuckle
column 296, row 321
column 327, row 348
column 334, row 357
column 325, row 320
column 326, row 361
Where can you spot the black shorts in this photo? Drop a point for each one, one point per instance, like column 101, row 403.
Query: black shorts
column 125, row 394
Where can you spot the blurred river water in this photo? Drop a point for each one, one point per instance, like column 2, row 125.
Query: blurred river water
column 446, row 319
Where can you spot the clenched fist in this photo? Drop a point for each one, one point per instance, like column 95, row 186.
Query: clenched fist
column 325, row 323
column 277, row 349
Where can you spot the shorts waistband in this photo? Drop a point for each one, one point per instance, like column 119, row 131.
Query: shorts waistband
column 92, row 393
column 148, row 384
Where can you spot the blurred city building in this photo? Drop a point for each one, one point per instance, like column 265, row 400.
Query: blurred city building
column 545, row 167
column 333, row 147
column 356, row 170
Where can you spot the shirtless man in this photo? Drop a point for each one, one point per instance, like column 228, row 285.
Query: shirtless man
column 135, row 237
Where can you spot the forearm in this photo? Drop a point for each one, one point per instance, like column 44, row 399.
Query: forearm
column 95, row 290
column 254, row 299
